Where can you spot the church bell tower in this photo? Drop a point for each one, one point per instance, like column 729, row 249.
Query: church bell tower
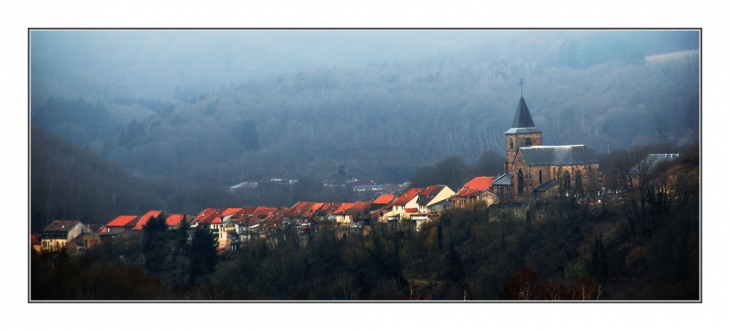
column 522, row 134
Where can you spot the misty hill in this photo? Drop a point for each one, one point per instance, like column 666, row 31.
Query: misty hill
column 70, row 182
column 385, row 120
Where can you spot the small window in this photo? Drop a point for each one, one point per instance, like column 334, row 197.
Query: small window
column 528, row 142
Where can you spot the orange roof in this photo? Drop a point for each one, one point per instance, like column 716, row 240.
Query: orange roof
column 429, row 190
column 384, row 199
column 408, row 196
column 209, row 215
column 122, row 221
column 230, row 211
column 357, row 207
column 475, row 186
column 174, row 219
column 343, row 207
column 146, row 217
column 313, row 209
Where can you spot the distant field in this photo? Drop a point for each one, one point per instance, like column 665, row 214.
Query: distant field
column 659, row 58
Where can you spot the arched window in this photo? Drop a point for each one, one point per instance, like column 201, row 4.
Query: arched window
column 528, row 142
column 520, row 182
column 511, row 144
column 578, row 181
column 566, row 180
column 540, row 176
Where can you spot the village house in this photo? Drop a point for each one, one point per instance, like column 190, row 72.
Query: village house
column 354, row 214
column 145, row 218
column 400, row 208
column 57, row 235
column 122, row 223
column 431, row 196
column 475, row 190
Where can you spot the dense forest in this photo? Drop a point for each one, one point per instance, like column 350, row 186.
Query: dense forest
column 562, row 250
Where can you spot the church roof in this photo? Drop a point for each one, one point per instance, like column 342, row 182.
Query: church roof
column 522, row 123
column 557, row 155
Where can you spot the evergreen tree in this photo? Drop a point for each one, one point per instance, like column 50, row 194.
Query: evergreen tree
column 155, row 244
column 203, row 254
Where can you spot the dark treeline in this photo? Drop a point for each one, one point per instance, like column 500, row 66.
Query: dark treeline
column 562, row 250
column 68, row 182
column 384, row 121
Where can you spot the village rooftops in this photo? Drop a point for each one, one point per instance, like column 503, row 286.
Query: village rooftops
column 145, row 218
column 384, row 199
column 475, row 187
column 124, row 221
column 557, row 155
column 174, row 220
column 405, row 198
column 209, row 215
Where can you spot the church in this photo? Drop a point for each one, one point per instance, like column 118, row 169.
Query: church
column 533, row 171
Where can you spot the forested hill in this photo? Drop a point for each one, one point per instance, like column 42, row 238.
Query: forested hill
column 384, row 121
column 73, row 183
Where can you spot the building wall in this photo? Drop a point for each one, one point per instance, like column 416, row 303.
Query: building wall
column 531, row 176
column 445, row 193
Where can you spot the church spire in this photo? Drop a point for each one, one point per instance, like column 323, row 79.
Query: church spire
column 522, row 119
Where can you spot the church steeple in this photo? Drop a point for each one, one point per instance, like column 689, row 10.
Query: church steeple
column 523, row 119
column 522, row 134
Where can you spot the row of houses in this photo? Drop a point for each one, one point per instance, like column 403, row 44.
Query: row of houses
column 234, row 226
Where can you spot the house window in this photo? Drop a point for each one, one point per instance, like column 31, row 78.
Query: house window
column 511, row 144
column 520, row 182
column 578, row 181
column 540, row 176
column 566, row 180
column 528, row 142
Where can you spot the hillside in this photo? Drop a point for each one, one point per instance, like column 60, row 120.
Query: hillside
column 70, row 182
column 386, row 120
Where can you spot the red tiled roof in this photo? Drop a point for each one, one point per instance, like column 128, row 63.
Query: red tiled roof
column 126, row 220
column 260, row 214
column 145, row 218
column 475, row 186
column 356, row 208
column 298, row 209
column 313, row 209
column 408, row 196
column 343, row 207
column 231, row 211
column 384, row 199
column 210, row 215
column 174, row 219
